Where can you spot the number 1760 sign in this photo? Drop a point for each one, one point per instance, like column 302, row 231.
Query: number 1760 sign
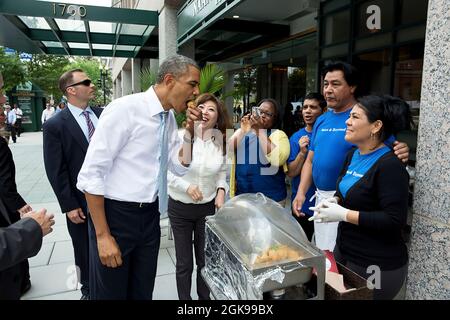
column 72, row 10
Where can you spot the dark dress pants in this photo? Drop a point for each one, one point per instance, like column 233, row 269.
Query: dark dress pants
column 185, row 220
column 137, row 232
column 80, row 241
column 18, row 127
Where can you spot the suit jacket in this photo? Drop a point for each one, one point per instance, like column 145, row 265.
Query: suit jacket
column 18, row 240
column 8, row 189
column 65, row 147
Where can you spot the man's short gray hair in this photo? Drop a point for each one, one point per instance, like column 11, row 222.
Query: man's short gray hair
column 176, row 65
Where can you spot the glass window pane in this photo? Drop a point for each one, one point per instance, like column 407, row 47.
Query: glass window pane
column 415, row 33
column 102, row 46
column 407, row 85
column 408, row 72
column 52, row 44
column 373, row 42
column 78, row 45
column 148, row 31
column 35, row 22
column 102, row 27
column 334, row 51
column 386, row 17
column 332, row 5
column 336, row 28
column 377, row 68
column 413, row 13
column 126, row 48
column 70, row 25
column 133, row 29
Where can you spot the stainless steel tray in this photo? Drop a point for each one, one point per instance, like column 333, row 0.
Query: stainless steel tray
column 296, row 272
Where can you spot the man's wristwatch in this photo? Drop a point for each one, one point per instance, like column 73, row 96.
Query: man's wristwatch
column 187, row 140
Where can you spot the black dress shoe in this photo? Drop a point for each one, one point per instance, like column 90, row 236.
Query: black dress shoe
column 85, row 297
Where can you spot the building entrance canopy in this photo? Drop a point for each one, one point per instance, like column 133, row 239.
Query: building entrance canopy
column 76, row 29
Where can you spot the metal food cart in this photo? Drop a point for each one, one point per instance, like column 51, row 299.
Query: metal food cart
column 254, row 247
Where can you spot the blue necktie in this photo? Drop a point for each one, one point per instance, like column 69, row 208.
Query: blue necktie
column 163, row 161
column 89, row 123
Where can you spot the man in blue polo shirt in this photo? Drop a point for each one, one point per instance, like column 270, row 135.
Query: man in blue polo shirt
column 328, row 147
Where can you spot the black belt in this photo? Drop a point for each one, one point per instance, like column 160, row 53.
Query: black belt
column 133, row 204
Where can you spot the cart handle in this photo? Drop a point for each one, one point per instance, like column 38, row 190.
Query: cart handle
column 296, row 265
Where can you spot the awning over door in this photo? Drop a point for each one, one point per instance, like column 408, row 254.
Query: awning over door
column 77, row 30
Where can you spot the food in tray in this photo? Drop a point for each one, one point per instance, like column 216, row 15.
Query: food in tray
column 278, row 253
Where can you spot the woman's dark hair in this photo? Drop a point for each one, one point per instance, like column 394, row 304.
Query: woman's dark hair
column 317, row 96
column 223, row 121
column 276, row 115
column 393, row 112
column 351, row 74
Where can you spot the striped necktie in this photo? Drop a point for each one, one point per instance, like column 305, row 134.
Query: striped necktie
column 163, row 162
column 89, row 123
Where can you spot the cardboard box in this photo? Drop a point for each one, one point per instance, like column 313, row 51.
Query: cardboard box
column 357, row 287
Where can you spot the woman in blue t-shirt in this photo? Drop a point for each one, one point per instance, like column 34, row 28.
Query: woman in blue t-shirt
column 313, row 106
column 372, row 197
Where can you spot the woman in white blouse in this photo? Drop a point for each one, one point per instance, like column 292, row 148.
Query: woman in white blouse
column 197, row 194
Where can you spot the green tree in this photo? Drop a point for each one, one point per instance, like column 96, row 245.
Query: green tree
column 297, row 84
column 45, row 70
column 148, row 78
column 245, row 86
column 92, row 68
column 13, row 70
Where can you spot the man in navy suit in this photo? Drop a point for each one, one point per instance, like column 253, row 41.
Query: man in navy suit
column 66, row 139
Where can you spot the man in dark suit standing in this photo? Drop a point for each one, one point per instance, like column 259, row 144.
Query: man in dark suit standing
column 66, row 139
column 12, row 207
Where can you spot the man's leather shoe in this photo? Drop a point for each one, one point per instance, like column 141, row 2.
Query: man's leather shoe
column 84, row 297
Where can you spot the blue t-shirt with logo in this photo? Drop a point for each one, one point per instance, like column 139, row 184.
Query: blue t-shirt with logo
column 295, row 150
column 330, row 148
column 359, row 165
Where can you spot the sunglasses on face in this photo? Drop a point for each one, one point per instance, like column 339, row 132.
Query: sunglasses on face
column 86, row 82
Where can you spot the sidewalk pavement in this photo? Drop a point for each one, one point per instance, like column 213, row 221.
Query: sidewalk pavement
column 52, row 269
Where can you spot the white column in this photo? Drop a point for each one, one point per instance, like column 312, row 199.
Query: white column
column 126, row 82
column 118, row 92
column 154, row 65
column 136, row 75
column 167, row 32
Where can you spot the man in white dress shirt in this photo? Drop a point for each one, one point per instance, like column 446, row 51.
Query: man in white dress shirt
column 123, row 179
column 66, row 140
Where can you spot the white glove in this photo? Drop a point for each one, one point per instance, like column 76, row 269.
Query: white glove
column 328, row 211
column 321, row 203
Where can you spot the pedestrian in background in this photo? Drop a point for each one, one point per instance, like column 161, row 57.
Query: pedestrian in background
column 19, row 115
